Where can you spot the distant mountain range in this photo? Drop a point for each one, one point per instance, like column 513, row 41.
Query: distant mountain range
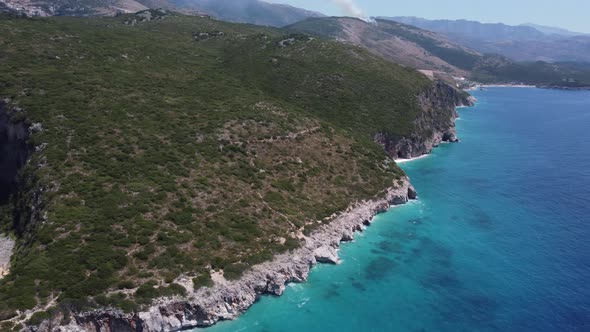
column 526, row 42
column 554, row 30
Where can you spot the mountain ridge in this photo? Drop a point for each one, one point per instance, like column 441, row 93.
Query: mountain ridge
column 520, row 43
column 550, row 30
column 71, row 7
column 240, row 11
column 249, row 11
column 400, row 43
column 440, row 56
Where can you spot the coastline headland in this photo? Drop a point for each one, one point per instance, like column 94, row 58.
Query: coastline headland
column 226, row 299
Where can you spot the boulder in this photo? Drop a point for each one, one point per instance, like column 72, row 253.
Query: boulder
column 347, row 235
column 326, row 255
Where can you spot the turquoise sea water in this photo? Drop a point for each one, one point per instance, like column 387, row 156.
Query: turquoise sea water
column 499, row 239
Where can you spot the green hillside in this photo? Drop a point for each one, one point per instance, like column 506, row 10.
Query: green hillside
column 180, row 146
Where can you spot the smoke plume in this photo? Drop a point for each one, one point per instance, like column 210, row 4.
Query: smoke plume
column 350, row 8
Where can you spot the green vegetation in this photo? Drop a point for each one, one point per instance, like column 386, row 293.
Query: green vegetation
column 457, row 57
column 320, row 27
column 562, row 74
column 167, row 155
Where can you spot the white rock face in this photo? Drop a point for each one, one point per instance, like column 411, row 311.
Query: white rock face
column 326, row 254
column 6, row 247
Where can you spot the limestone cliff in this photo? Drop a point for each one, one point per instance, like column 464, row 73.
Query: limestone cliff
column 434, row 124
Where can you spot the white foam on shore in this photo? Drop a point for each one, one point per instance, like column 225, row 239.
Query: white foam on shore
column 508, row 86
column 401, row 160
column 477, row 87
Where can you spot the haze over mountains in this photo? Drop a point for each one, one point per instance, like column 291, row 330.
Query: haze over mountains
column 554, row 30
column 527, row 42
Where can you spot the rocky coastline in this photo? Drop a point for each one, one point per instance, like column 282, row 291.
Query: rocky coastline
column 228, row 299
column 435, row 123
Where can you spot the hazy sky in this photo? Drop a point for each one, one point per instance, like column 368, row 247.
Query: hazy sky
column 570, row 14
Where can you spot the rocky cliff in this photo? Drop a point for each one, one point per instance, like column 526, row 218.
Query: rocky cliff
column 14, row 151
column 228, row 299
column 434, row 124
column 18, row 183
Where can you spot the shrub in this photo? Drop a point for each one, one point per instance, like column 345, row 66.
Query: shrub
column 38, row 317
column 203, row 280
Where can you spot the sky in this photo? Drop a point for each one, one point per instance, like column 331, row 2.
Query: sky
column 570, row 14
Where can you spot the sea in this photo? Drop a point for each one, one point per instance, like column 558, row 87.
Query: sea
column 499, row 239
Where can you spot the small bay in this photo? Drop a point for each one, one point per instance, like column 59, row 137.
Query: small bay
column 498, row 240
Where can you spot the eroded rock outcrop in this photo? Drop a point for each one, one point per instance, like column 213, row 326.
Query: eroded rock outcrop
column 148, row 15
column 326, row 254
column 6, row 247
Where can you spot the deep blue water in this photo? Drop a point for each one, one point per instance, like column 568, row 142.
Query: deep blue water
column 499, row 239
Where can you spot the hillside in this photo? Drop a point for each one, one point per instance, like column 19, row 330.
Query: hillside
column 426, row 50
column 248, row 11
column 559, row 74
column 404, row 44
column 242, row 11
column 144, row 153
column 520, row 43
column 71, row 7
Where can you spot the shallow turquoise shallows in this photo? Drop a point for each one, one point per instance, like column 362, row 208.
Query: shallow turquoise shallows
column 499, row 239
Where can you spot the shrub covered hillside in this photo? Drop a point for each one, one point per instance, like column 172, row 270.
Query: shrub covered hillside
column 179, row 146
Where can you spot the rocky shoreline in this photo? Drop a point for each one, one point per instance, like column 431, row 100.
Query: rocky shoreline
column 228, row 299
